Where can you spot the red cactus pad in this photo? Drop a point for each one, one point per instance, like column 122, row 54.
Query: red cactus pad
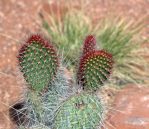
column 95, row 68
column 38, row 61
column 89, row 44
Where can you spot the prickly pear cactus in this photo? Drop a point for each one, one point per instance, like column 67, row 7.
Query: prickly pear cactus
column 95, row 68
column 38, row 62
column 89, row 44
column 82, row 111
column 64, row 105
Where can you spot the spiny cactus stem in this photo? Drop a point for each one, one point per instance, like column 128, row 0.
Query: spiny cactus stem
column 89, row 44
column 82, row 105
column 95, row 68
column 38, row 56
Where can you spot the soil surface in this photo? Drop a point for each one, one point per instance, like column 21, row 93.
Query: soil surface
column 19, row 18
column 130, row 109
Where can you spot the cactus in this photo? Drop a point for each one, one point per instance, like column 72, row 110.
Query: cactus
column 89, row 44
column 95, row 68
column 82, row 111
column 38, row 62
column 63, row 105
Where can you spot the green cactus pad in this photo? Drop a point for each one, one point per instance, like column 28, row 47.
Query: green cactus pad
column 38, row 62
column 82, row 111
column 95, row 68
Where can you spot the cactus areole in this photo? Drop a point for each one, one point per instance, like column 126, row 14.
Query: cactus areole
column 38, row 62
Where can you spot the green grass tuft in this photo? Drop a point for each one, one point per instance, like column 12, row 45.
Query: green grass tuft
column 121, row 38
column 68, row 34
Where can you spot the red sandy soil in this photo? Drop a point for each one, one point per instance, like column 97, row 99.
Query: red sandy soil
column 19, row 18
column 130, row 109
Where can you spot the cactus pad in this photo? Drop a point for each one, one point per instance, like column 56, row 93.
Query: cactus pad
column 38, row 62
column 82, row 111
column 89, row 44
column 95, row 68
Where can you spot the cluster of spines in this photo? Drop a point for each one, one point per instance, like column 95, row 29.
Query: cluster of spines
column 38, row 62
